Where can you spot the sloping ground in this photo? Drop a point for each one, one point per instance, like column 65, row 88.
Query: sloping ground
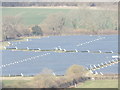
column 32, row 16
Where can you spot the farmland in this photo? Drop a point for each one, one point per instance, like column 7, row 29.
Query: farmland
column 99, row 84
column 32, row 16
column 109, row 83
column 58, row 21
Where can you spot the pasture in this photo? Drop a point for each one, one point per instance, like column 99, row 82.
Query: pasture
column 99, row 84
column 109, row 83
column 31, row 16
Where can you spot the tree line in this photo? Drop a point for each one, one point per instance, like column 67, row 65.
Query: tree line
column 13, row 28
column 85, row 20
column 74, row 22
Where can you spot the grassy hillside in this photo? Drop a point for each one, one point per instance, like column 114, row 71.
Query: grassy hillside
column 58, row 21
column 80, row 17
column 32, row 16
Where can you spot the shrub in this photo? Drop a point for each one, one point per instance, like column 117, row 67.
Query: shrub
column 45, row 80
column 76, row 70
column 36, row 30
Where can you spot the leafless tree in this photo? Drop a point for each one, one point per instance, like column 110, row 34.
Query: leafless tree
column 12, row 27
column 55, row 23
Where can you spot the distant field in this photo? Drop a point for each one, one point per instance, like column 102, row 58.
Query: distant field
column 32, row 16
column 76, row 20
column 99, row 84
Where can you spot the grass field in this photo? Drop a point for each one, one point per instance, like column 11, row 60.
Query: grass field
column 99, row 84
column 9, row 82
column 32, row 16
column 87, row 84
column 14, row 83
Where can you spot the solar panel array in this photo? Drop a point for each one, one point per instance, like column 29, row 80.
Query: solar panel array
column 31, row 63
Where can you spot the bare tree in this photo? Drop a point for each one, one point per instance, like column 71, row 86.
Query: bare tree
column 12, row 27
column 55, row 23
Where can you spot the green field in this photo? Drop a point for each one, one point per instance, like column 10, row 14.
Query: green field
column 99, row 84
column 82, row 17
column 87, row 84
column 32, row 16
column 14, row 83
